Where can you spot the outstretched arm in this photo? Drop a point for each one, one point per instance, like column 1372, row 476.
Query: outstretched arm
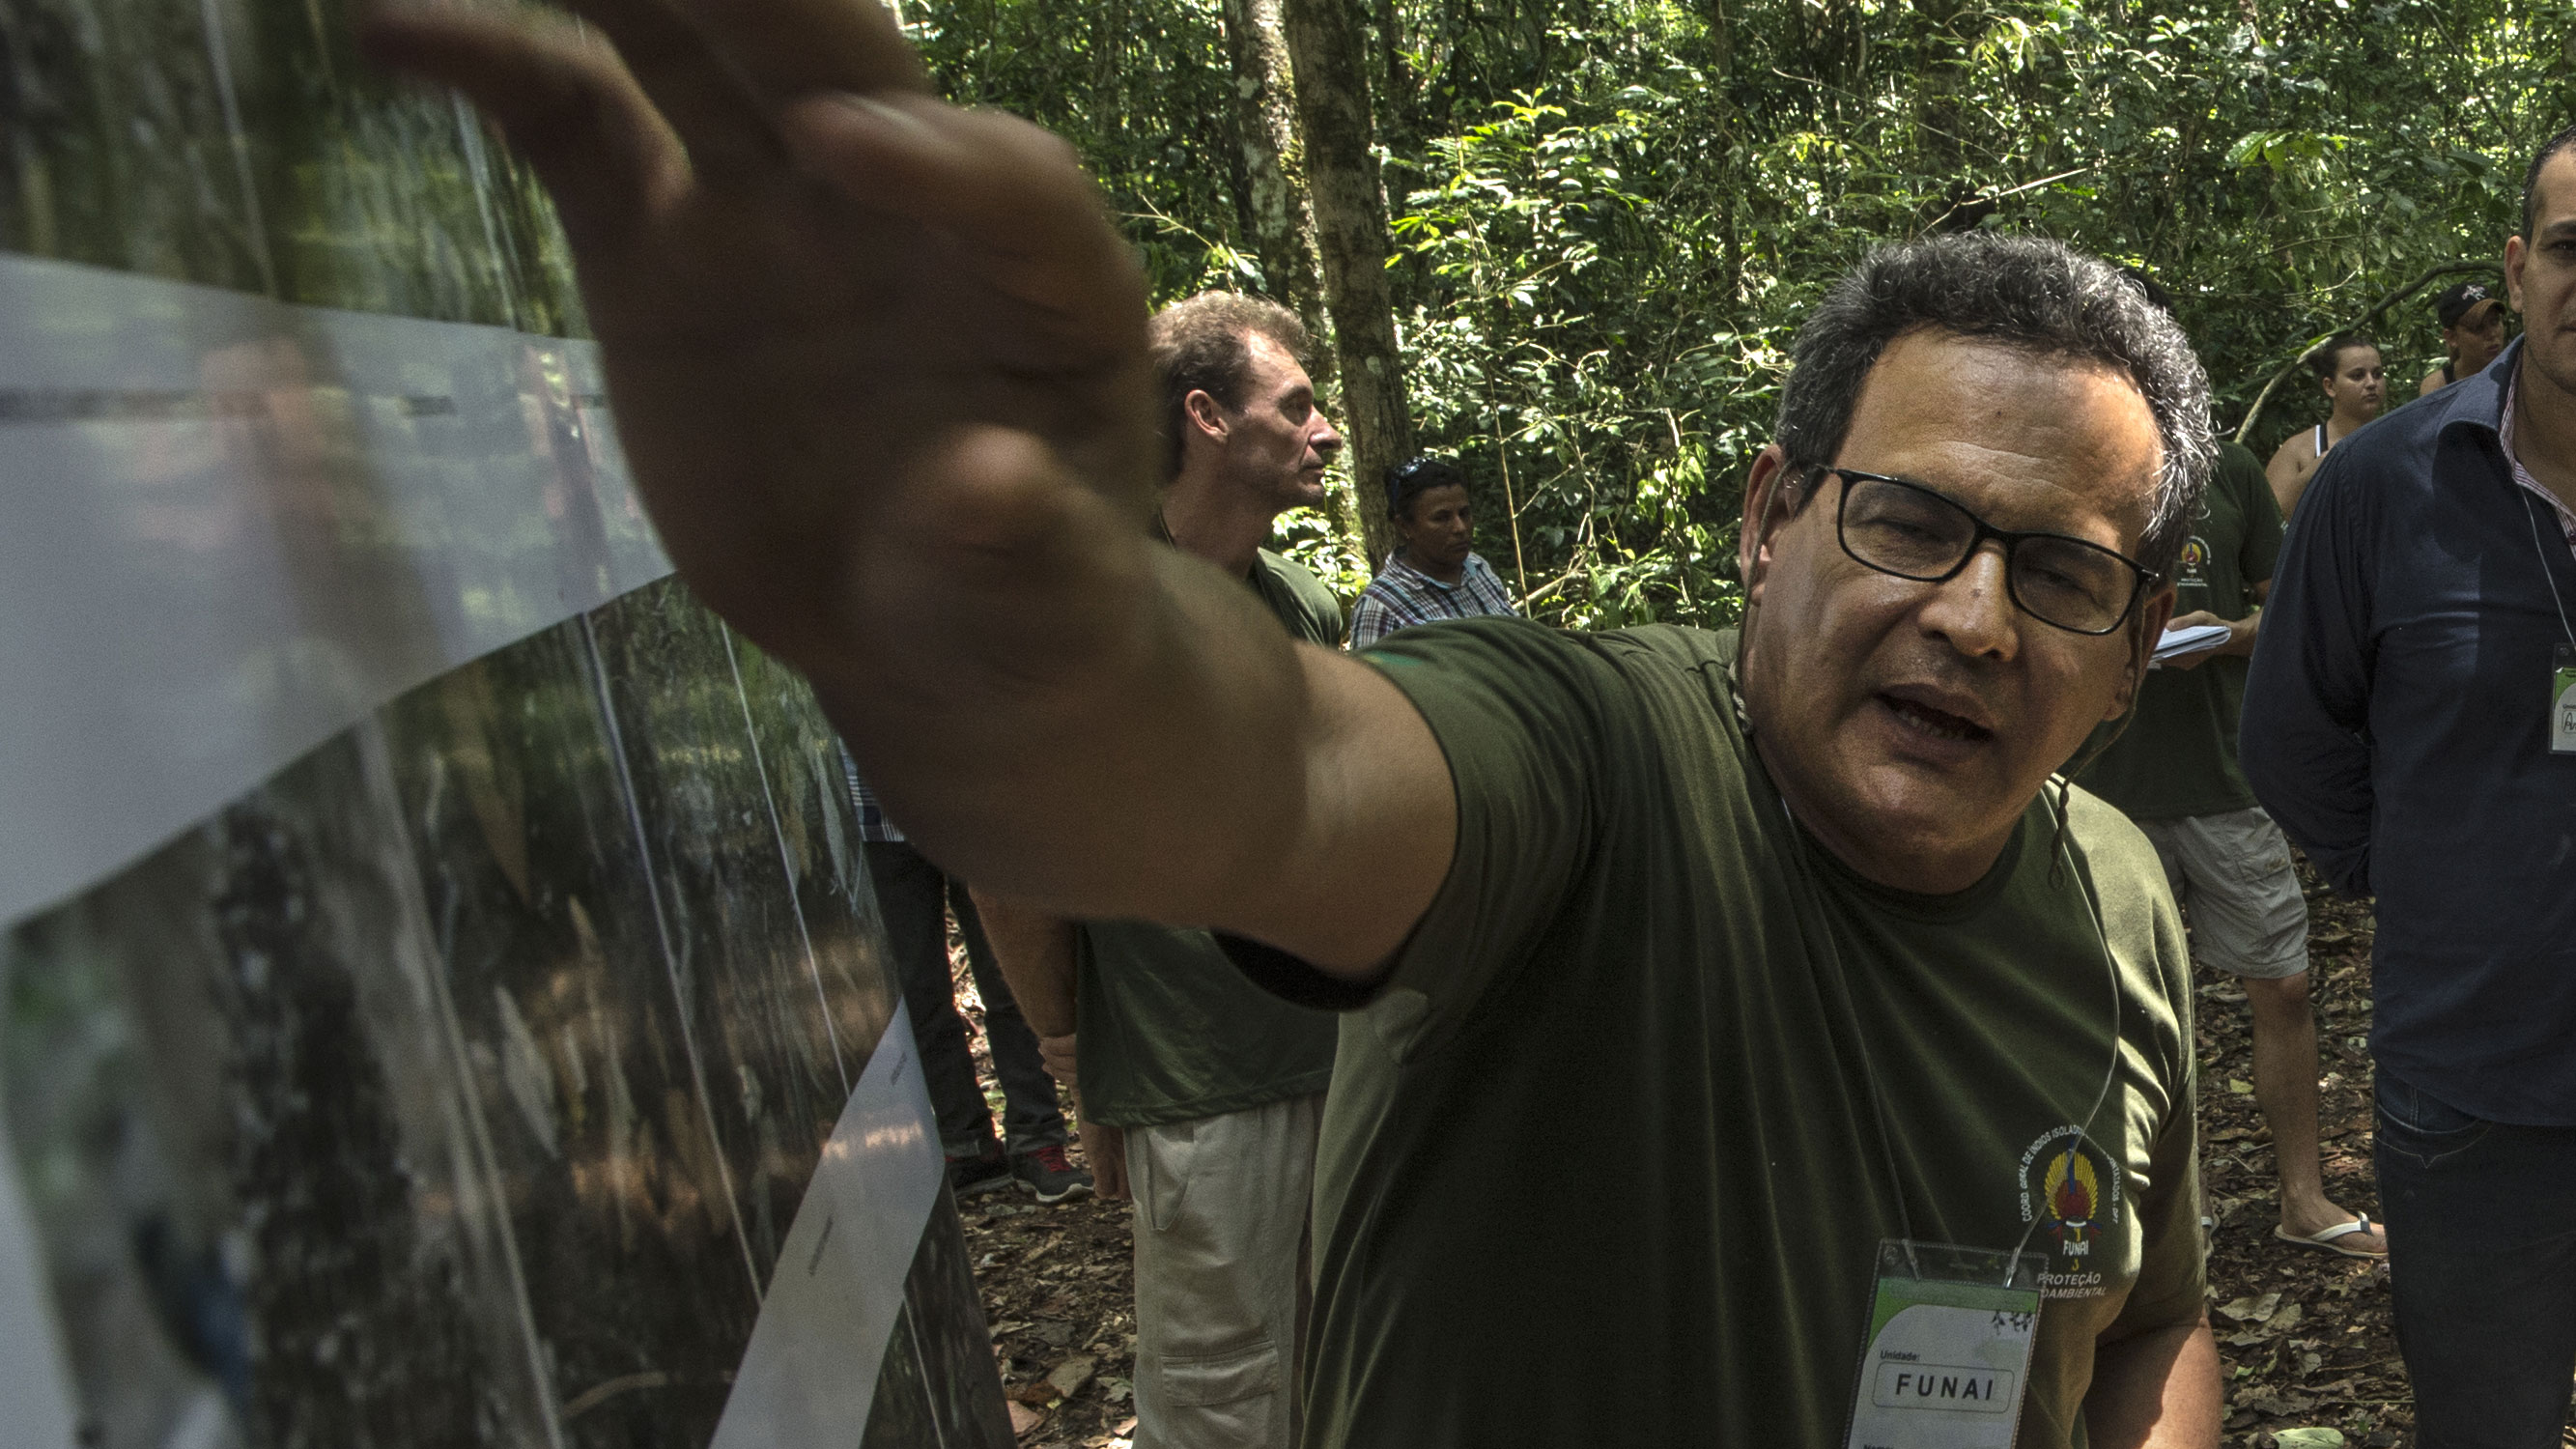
column 2159, row 1390
column 879, row 366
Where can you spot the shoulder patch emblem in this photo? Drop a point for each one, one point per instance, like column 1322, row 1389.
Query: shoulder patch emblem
column 2071, row 1189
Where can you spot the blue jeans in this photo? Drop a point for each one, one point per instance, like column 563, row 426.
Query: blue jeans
column 2482, row 1256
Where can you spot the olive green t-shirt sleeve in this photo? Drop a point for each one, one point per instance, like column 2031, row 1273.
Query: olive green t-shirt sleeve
column 2144, row 925
column 2261, row 549
column 1518, row 710
column 2172, row 1273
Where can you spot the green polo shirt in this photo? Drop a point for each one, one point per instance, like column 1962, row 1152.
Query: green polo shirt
column 2177, row 756
column 1602, row 1162
column 1171, row 1032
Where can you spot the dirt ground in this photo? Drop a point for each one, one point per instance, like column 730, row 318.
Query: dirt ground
column 2305, row 1336
column 1058, row 1289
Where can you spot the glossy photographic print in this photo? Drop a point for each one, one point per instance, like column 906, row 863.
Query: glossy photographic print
column 439, row 967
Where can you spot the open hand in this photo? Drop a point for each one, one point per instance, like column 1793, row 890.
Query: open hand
column 1059, row 1055
column 851, row 333
column 879, row 367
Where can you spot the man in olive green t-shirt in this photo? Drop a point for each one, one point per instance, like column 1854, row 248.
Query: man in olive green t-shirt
column 1684, row 976
column 2173, row 770
column 1201, row 1093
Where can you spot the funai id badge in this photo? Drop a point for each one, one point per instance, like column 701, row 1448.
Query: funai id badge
column 1949, row 1342
column 2562, row 703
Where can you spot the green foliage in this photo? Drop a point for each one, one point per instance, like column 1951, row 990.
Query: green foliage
column 1610, row 215
column 1142, row 89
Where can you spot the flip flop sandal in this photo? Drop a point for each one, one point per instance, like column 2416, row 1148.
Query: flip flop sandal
column 2330, row 1240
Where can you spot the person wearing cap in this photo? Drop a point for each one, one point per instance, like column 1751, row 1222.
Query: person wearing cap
column 1433, row 573
column 2472, row 334
column 2356, row 383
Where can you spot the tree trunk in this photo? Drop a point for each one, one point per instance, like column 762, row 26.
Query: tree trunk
column 1327, row 41
column 1393, row 83
column 1721, row 42
column 1282, row 224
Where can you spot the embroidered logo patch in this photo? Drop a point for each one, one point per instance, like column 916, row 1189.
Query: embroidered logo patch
column 2188, row 568
column 2071, row 1189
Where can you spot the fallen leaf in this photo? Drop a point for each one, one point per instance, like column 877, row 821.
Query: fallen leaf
column 2240, row 1086
column 1024, row 1421
column 1125, row 1427
column 1036, row 1395
column 2249, row 1310
column 2283, row 1321
column 1069, row 1376
column 2308, row 1439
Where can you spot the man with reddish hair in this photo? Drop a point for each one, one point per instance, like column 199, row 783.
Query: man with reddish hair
column 1201, row 1093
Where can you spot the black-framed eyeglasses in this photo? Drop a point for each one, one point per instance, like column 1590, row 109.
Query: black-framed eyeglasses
column 1912, row 532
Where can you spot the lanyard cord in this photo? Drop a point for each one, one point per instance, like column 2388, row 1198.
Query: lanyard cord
column 1798, row 846
column 1825, row 925
column 2531, row 516
column 2111, row 972
column 1842, row 983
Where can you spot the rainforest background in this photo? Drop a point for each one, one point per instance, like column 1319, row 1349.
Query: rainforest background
column 1602, row 220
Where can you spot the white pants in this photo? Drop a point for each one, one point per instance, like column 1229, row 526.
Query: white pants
column 1221, row 1275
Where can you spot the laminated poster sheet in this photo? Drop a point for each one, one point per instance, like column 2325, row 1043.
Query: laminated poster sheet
column 234, row 527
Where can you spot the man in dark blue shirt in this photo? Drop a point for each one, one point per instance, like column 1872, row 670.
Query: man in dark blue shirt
column 2404, row 721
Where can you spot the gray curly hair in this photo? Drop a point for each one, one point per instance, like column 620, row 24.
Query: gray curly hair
column 2023, row 292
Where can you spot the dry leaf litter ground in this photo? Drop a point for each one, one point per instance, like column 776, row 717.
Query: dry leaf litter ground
column 2309, row 1349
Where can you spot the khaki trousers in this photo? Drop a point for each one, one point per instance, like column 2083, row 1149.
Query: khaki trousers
column 1221, row 1275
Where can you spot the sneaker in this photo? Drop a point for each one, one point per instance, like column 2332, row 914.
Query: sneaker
column 1051, row 1175
column 984, row 1172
